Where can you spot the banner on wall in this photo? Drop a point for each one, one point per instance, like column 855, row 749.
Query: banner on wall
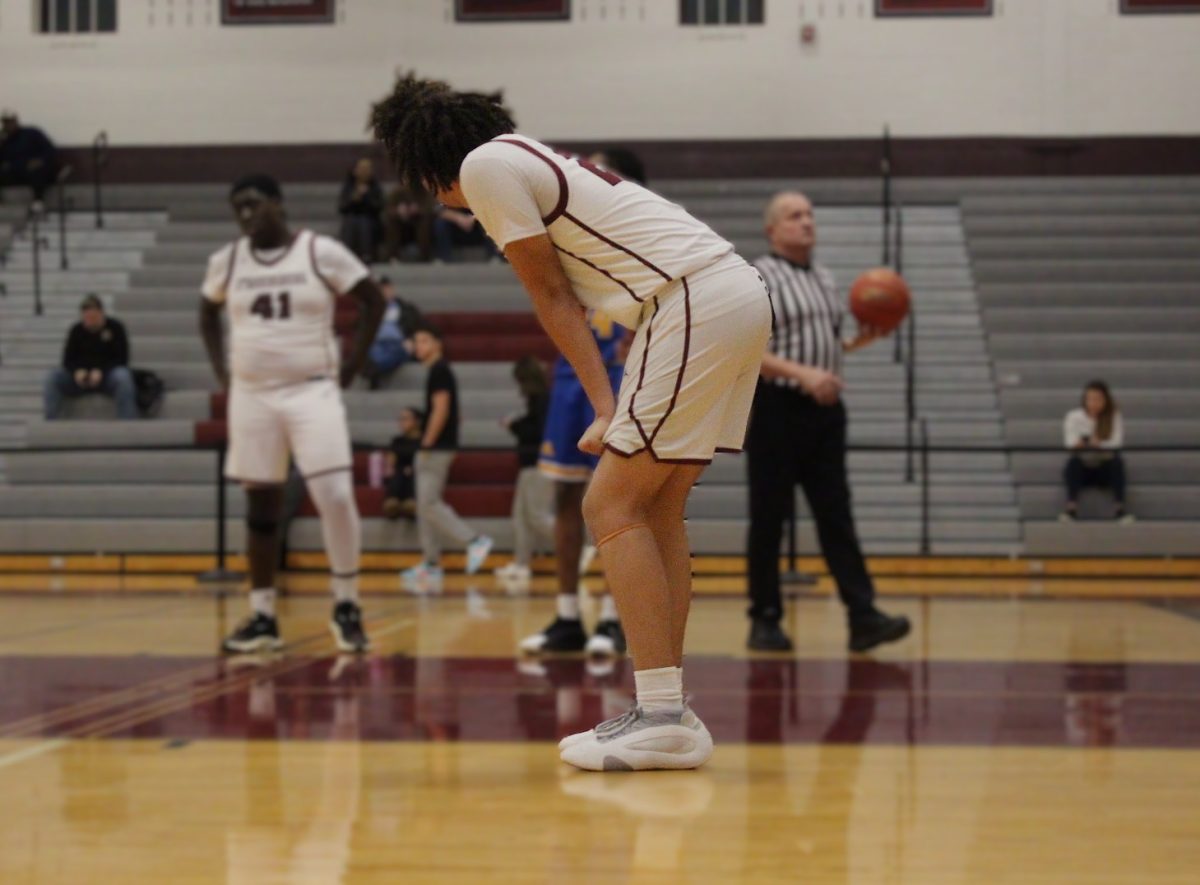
column 511, row 10
column 1151, row 7
column 277, row 12
column 887, row 8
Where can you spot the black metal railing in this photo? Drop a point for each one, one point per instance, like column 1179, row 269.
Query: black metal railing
column 99, row 161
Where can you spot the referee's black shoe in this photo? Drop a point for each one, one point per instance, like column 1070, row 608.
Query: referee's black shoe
column 767, row 635
column 875, row 629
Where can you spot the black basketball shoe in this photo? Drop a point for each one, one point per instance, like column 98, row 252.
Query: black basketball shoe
column 561, row 635
column 258, row 632
column 608, row 640
column 346, row 626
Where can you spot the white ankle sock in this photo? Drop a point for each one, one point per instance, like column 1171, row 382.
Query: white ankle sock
column 262, row 601
column 659, row 689
column 608, row 608
column 345, row 587
column 568, row 606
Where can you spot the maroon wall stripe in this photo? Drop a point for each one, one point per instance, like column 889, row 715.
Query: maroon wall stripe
column 561, row 206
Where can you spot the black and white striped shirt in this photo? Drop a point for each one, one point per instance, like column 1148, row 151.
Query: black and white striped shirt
column 808, row 314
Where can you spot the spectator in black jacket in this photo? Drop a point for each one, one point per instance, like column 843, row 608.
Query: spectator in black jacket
column 95, row 360
column 532, row 508
column 361, row 206
column 27, row 157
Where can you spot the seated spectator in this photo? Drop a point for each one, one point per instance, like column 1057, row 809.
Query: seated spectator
column 532, row 508
column 27, row 158
column 1094, row 433
column 95, row 360
column 453, row 229
column 361, row 206
column 400, row 495
column 393, row 346
column 408, row 225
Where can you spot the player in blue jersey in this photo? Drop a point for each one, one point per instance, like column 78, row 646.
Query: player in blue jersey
column 561, row 460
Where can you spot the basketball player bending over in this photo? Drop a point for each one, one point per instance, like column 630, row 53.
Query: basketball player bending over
column 279, row 287
column 577, row 235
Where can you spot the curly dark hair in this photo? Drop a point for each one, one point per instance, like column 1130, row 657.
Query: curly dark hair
column 428, row 129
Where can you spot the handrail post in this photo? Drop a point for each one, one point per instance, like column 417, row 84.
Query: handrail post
column 63, row 261
column 99, row 159
column 885, row 168
column 35, row 232
column 926, row 546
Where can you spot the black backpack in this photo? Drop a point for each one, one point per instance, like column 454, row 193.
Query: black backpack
column 150, row 390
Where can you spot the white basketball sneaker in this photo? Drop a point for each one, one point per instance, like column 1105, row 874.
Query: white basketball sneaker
column 640, row 741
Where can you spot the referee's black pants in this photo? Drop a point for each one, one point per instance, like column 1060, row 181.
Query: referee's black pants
column 793, row 440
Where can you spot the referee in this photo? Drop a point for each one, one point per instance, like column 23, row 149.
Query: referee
column 797, row 434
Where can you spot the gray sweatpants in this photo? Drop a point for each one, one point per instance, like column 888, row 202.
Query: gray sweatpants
column 532, row 513
column 434, row 516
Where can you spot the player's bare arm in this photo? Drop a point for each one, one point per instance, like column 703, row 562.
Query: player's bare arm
column 536, row 264
column 214, row 344
column 825, row 387
column 370, row 314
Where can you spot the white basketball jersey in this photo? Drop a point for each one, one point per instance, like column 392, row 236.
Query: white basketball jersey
column 281, row 307
column 619, row 242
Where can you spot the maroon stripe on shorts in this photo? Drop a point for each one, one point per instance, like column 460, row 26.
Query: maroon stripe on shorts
column 687, row 344
column 595, row 233
column 642, row 376
column 560, row 207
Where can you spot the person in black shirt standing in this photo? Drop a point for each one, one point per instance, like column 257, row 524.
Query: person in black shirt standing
column 797, row 434
column 95, row 360
column 439, row 443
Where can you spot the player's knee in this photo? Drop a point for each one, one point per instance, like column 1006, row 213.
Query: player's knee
column 605, row 513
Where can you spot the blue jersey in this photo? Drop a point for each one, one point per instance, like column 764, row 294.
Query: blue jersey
column 608, row 337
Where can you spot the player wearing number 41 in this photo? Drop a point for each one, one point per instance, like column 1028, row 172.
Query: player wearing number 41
column 279, row 287
column 578, row 236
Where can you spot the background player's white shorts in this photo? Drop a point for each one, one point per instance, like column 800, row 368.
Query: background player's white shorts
column 693, row 368
column 307, row 419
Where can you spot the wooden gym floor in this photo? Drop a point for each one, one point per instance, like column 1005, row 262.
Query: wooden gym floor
column 1022, row 734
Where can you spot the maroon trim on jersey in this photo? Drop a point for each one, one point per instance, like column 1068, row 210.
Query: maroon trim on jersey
column 328, row 471
column 642, row 377
column 560, row 207
column 264, row 262
column 730, row 451
column 620, row 283
column 599, row 236
column 687, row 345
column 312, row 259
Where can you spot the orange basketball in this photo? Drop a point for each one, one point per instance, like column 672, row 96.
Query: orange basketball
column 880, row 298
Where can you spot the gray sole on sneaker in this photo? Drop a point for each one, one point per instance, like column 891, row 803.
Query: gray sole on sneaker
column 256, row 645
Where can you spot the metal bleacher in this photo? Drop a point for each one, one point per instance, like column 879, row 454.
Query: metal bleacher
column 963, row 251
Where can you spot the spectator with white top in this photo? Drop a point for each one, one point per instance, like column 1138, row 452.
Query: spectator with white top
column 1094, row 435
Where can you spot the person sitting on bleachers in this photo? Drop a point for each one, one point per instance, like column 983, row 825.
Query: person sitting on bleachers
column 1094, row 434
column 400, row 495
column 453, row 229
column 532, row 507
column 95, row 360
column 407, row 225
column 27, row 158
column 361, row 207
column 393, row 346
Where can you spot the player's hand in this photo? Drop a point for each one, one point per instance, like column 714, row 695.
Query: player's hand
column 866, row 335
column 824, row 387
column 592, row 441
column 94, row 378
column 81, row 377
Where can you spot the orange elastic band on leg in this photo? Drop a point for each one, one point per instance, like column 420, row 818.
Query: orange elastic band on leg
column 618, row 532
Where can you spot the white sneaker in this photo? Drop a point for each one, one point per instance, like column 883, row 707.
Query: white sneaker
column 640, row 741
column 477, row 553
column 1126, row 519
column 422, row 578
column 514, row 573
